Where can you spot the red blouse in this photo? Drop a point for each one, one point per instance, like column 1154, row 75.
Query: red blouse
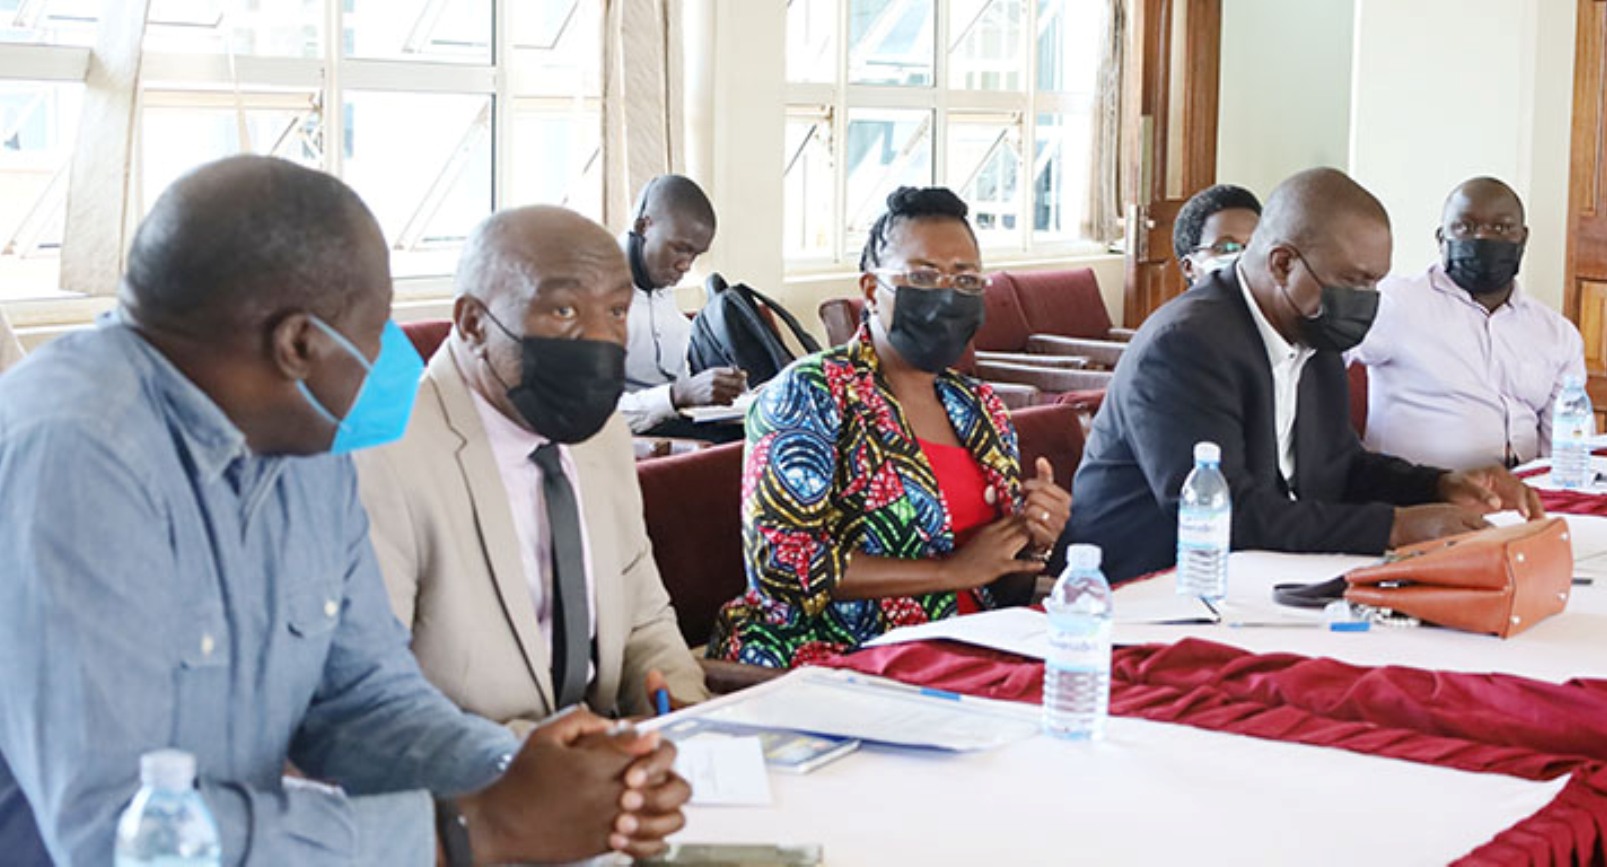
column 960, row 480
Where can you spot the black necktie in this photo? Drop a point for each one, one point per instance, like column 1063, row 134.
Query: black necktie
column 571, row 628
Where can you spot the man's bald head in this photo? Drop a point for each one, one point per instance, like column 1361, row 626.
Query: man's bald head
column 1314, row 208
column 1481, row 195
column 510, row 254
column 236, row 241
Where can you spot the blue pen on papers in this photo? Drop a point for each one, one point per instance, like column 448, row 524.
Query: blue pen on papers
column 661, row 701
column 896, row 686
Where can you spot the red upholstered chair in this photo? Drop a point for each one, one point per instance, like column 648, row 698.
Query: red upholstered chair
column 1059, row 298
column 1357, row 373
column 1054, row 432
column 427, row 335
column 692, row 504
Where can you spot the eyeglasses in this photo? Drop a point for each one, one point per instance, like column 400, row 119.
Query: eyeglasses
column 968, row 282
column 1224, row 247
column 1470, row 228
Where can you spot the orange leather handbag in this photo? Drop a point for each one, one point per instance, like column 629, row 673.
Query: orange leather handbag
column 1499, row 581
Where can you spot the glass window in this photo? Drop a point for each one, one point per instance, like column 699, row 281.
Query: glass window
column 281, row 28
column 180, row 130
column 557, row 45
column 891, row 42
column 1060, row 176
column 1070, row 36
column 429, row 183
column 49, row 22
column 557, row 158
column 810, row 184
column 812, row 40
column 984, row 166
column 37, row 123
column 986, row 44
column 454, row 31
column 886, row 149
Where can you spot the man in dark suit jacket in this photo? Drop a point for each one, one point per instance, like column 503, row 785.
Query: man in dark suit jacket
column 1239, row 361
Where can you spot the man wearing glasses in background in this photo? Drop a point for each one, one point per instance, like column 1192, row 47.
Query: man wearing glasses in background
column 1213, row 228
column 1462, row 364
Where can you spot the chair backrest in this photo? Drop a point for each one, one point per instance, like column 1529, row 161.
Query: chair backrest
column 1053, row 431
column 427, row 335
column 1357, row 374
column 1005, row 329
column 1066, row 302
column 692, row 504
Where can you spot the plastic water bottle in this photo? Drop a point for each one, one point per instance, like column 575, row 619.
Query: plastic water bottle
column 1573, row 423
column 167, row 824
column 1076, row 676
column 1204, row 527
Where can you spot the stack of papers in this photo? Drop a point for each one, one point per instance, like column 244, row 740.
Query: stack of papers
column 737, row 411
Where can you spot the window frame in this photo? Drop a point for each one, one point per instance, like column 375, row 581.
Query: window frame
column 842, row 97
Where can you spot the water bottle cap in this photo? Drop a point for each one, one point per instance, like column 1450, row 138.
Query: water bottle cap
column 1084, row 556
column 1573, row 380
column 167, row 769
column 1207, row 452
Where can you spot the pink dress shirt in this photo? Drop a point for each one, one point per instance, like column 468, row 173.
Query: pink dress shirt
column 1453, row 385
column 511, row 445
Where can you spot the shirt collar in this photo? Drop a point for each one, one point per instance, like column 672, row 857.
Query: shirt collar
column 1279, row 351
column 1442, row 283
column 212, row 439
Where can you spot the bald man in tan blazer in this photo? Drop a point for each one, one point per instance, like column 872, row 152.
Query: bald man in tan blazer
column 442, row 510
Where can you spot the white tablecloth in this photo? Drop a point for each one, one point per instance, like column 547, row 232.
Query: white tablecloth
column 1571, row 644
column 1150, row 794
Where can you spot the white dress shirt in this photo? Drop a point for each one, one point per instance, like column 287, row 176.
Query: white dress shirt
column 511, row 445
column 1452, row 384
column 657, row 335
column 1287, row 361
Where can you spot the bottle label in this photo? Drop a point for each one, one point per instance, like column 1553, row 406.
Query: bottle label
column 1079, row 644
column 1204, row 528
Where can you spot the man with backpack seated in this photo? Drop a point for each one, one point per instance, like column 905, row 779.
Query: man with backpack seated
column 674, row 225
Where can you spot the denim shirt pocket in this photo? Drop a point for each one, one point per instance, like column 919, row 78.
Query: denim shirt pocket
column 314, row 610
column 202, row 677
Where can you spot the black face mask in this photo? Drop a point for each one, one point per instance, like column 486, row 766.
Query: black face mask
column 635, row 244
column 1344, row 319
column 567, row 388
column 1482, row 266
column 931, row 327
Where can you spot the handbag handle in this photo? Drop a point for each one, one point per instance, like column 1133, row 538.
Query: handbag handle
column 1315, row 595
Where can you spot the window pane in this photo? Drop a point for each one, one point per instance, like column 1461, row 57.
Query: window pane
column 281, row 28
column 810, row 186
column 886, row 149
column 985, row 169
column 890, row 42
column 559, row 42
column 179, row 131
column 1060, row 177
column 49, row 22
column 557, row 160
column 986, row 44
column 456, row 31
column 812, row 40
column 37, row 125
column 1071, row 35
column 422, row 162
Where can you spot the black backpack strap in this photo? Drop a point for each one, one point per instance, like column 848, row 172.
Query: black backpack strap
column 809, row 343
column 1316, row 595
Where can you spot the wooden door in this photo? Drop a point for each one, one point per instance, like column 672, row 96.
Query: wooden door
column 1168, row 136
column 1585, row 299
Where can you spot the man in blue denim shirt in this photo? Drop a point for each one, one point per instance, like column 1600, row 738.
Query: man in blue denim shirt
column 185, row 566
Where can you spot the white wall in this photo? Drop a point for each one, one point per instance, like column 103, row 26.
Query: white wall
column 1445, row 90
column 1285, row 89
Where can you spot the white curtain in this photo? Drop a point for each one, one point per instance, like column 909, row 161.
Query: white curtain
column 643, row 127
column 1104, row 156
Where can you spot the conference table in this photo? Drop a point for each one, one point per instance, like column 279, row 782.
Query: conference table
column 1245, row 745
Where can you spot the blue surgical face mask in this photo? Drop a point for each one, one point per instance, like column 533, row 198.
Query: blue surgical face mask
column 384, row 401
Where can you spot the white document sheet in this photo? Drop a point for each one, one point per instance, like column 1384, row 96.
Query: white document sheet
column 1014, row 630
column 724, row 771
column 877, row 710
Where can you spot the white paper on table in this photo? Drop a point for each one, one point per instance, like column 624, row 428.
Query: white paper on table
column 1021, row 631
column 880, row 711
column 724, row 771
column 708, row 414
column 1542, row 481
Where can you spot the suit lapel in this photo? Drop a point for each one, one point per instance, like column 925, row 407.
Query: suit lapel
column 492, row 519
column 1265, row 416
